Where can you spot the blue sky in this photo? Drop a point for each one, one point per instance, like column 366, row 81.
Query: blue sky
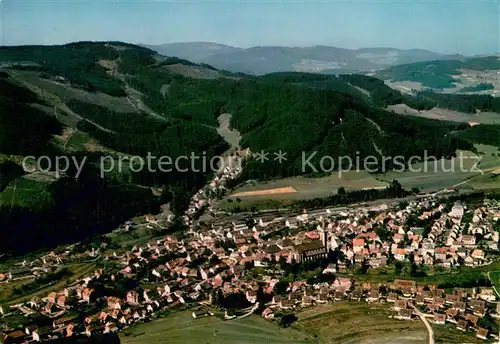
column 468, row 27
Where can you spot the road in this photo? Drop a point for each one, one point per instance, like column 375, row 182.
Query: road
column 250, row 312
column 425, row 321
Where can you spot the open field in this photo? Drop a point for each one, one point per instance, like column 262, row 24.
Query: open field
column 65, row 93
column 494, row 277
column 183, row 329
column 432, row 175
column 353, row 322
column 467, row 78
column 260, row 195
column 404, row 86
column 232, row 137
column 486, row 181
column 448, row 334
column 251, row 204
column 448, row 115
column 25, row 192
column 267, row 192
column 464, row 172
column 342, row 323
column 346, row 322
column 307, row 188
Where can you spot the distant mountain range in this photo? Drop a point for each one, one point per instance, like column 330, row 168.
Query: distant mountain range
column 315, row 59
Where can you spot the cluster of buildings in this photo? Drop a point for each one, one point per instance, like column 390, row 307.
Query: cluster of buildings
column 230, row 167
column 38, row 267
column 462, row 307
column 223, row 256
column 445, row 242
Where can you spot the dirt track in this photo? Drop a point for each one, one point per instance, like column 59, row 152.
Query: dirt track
column 287, row 189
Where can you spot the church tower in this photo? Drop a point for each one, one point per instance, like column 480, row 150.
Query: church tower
column 323, row 233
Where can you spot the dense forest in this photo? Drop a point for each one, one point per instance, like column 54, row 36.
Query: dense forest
column 331, row 123
column 469, row 103
column 478, row 88
column 76, row 62
column 78, row 208
column 296, row 112
column 382, row 95
column 487, row 134
column 86, row 205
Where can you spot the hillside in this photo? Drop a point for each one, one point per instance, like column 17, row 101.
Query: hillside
column 478, row 74
column 96, row 113
column 269, row 59
column 193, row 51
column 92, row 101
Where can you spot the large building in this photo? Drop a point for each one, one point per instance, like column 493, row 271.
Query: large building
column 310, row 251
column 457, row 211
column 313, row 250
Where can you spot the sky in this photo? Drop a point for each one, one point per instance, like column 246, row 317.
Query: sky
column 445, row 26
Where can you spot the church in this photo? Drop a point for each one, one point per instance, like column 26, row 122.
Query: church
column 313, row 250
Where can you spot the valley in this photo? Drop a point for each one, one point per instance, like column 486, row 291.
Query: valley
column 249, row 172
column 130, row 231
column 209, row 110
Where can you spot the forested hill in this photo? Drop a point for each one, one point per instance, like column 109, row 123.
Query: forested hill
column 439, row 74
column 268, row 59
column 87, row 100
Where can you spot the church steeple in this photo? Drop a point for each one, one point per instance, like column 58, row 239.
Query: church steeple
column 323, row 233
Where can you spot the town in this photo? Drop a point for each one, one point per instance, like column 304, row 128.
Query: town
column 276, row 263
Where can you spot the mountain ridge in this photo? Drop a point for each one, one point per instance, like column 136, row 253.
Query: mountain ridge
column 260, row 60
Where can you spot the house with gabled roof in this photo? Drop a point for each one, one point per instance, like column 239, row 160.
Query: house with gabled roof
column 482, row 333
column 462, row 325
column 439, row 319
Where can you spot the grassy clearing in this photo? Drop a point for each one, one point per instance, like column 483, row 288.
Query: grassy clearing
column 353, row 322
column 66, row 93
column 251, row 204
column 344, row 322
column 77, row 141
column 448, row 334
column 495, row 279
column 486, row 181
column 487, row 149
column 432, row 175
column 183, row 329
column 25, row 193
column 447, row 115
column 308, row 188
column 232, row 137
column 140, row 235
column 429, row 177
